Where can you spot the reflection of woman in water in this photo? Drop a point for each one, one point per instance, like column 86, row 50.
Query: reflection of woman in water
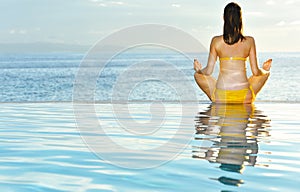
column 232, row 48
column 228, row 134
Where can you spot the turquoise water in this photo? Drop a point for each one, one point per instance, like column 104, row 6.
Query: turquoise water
column 227, row 149
column 139, row 135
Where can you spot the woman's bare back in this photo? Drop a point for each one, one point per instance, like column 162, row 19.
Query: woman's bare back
column 232, row 74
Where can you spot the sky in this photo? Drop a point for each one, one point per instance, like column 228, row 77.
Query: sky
column 275, row 24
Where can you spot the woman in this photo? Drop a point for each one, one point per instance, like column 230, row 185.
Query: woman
column 232, row 48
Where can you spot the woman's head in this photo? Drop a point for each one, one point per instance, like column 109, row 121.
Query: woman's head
column 232, row 31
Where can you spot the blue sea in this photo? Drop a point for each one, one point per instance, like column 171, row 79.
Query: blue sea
column 50, row 77
column 144, row 127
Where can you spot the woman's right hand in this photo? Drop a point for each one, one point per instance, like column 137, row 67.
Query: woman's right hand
column 197, row 66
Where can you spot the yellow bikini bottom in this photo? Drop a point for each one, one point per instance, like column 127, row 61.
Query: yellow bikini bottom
column 232, row 96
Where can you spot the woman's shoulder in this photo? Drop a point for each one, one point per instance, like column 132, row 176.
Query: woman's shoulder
column 217, row 38
column 249, row 38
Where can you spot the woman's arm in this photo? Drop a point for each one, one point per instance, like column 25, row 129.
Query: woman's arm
column 256, row 71
column 212, row 58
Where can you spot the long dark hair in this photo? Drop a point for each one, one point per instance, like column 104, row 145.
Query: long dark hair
column 233, row 25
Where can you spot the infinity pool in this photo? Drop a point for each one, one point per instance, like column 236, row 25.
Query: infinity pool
column 44, row 147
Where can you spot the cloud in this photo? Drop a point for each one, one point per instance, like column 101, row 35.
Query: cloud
column 22, row 31
column 281, row 23
column 18, row 31
column 102, row 5
column 270, row 2
column 117, row 3
column 295, row 22
column 176, row 5
column 289, row 2
column 106, row 3
column 254, row 13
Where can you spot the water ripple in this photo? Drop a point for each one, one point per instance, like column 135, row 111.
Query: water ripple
column 234, row 149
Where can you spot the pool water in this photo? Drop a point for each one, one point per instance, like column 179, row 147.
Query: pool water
column 222, row 148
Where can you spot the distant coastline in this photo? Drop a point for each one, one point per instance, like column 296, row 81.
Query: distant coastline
column 42, row 47
column 46, row 47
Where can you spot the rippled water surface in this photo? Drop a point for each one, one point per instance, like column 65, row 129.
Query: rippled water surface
column 228, row 148
column 50, row 77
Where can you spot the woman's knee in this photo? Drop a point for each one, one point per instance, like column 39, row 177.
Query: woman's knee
column 198, row 76
column 195, row 74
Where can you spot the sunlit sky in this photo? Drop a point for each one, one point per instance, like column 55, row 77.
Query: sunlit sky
column 275, row 24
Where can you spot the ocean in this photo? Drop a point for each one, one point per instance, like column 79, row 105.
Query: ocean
column 140, row 123
column 50, row 77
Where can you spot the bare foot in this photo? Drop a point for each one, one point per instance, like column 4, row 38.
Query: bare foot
column 197, row 65
column 267, row 65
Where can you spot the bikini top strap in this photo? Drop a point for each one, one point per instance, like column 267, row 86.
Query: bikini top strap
column 232, row 58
